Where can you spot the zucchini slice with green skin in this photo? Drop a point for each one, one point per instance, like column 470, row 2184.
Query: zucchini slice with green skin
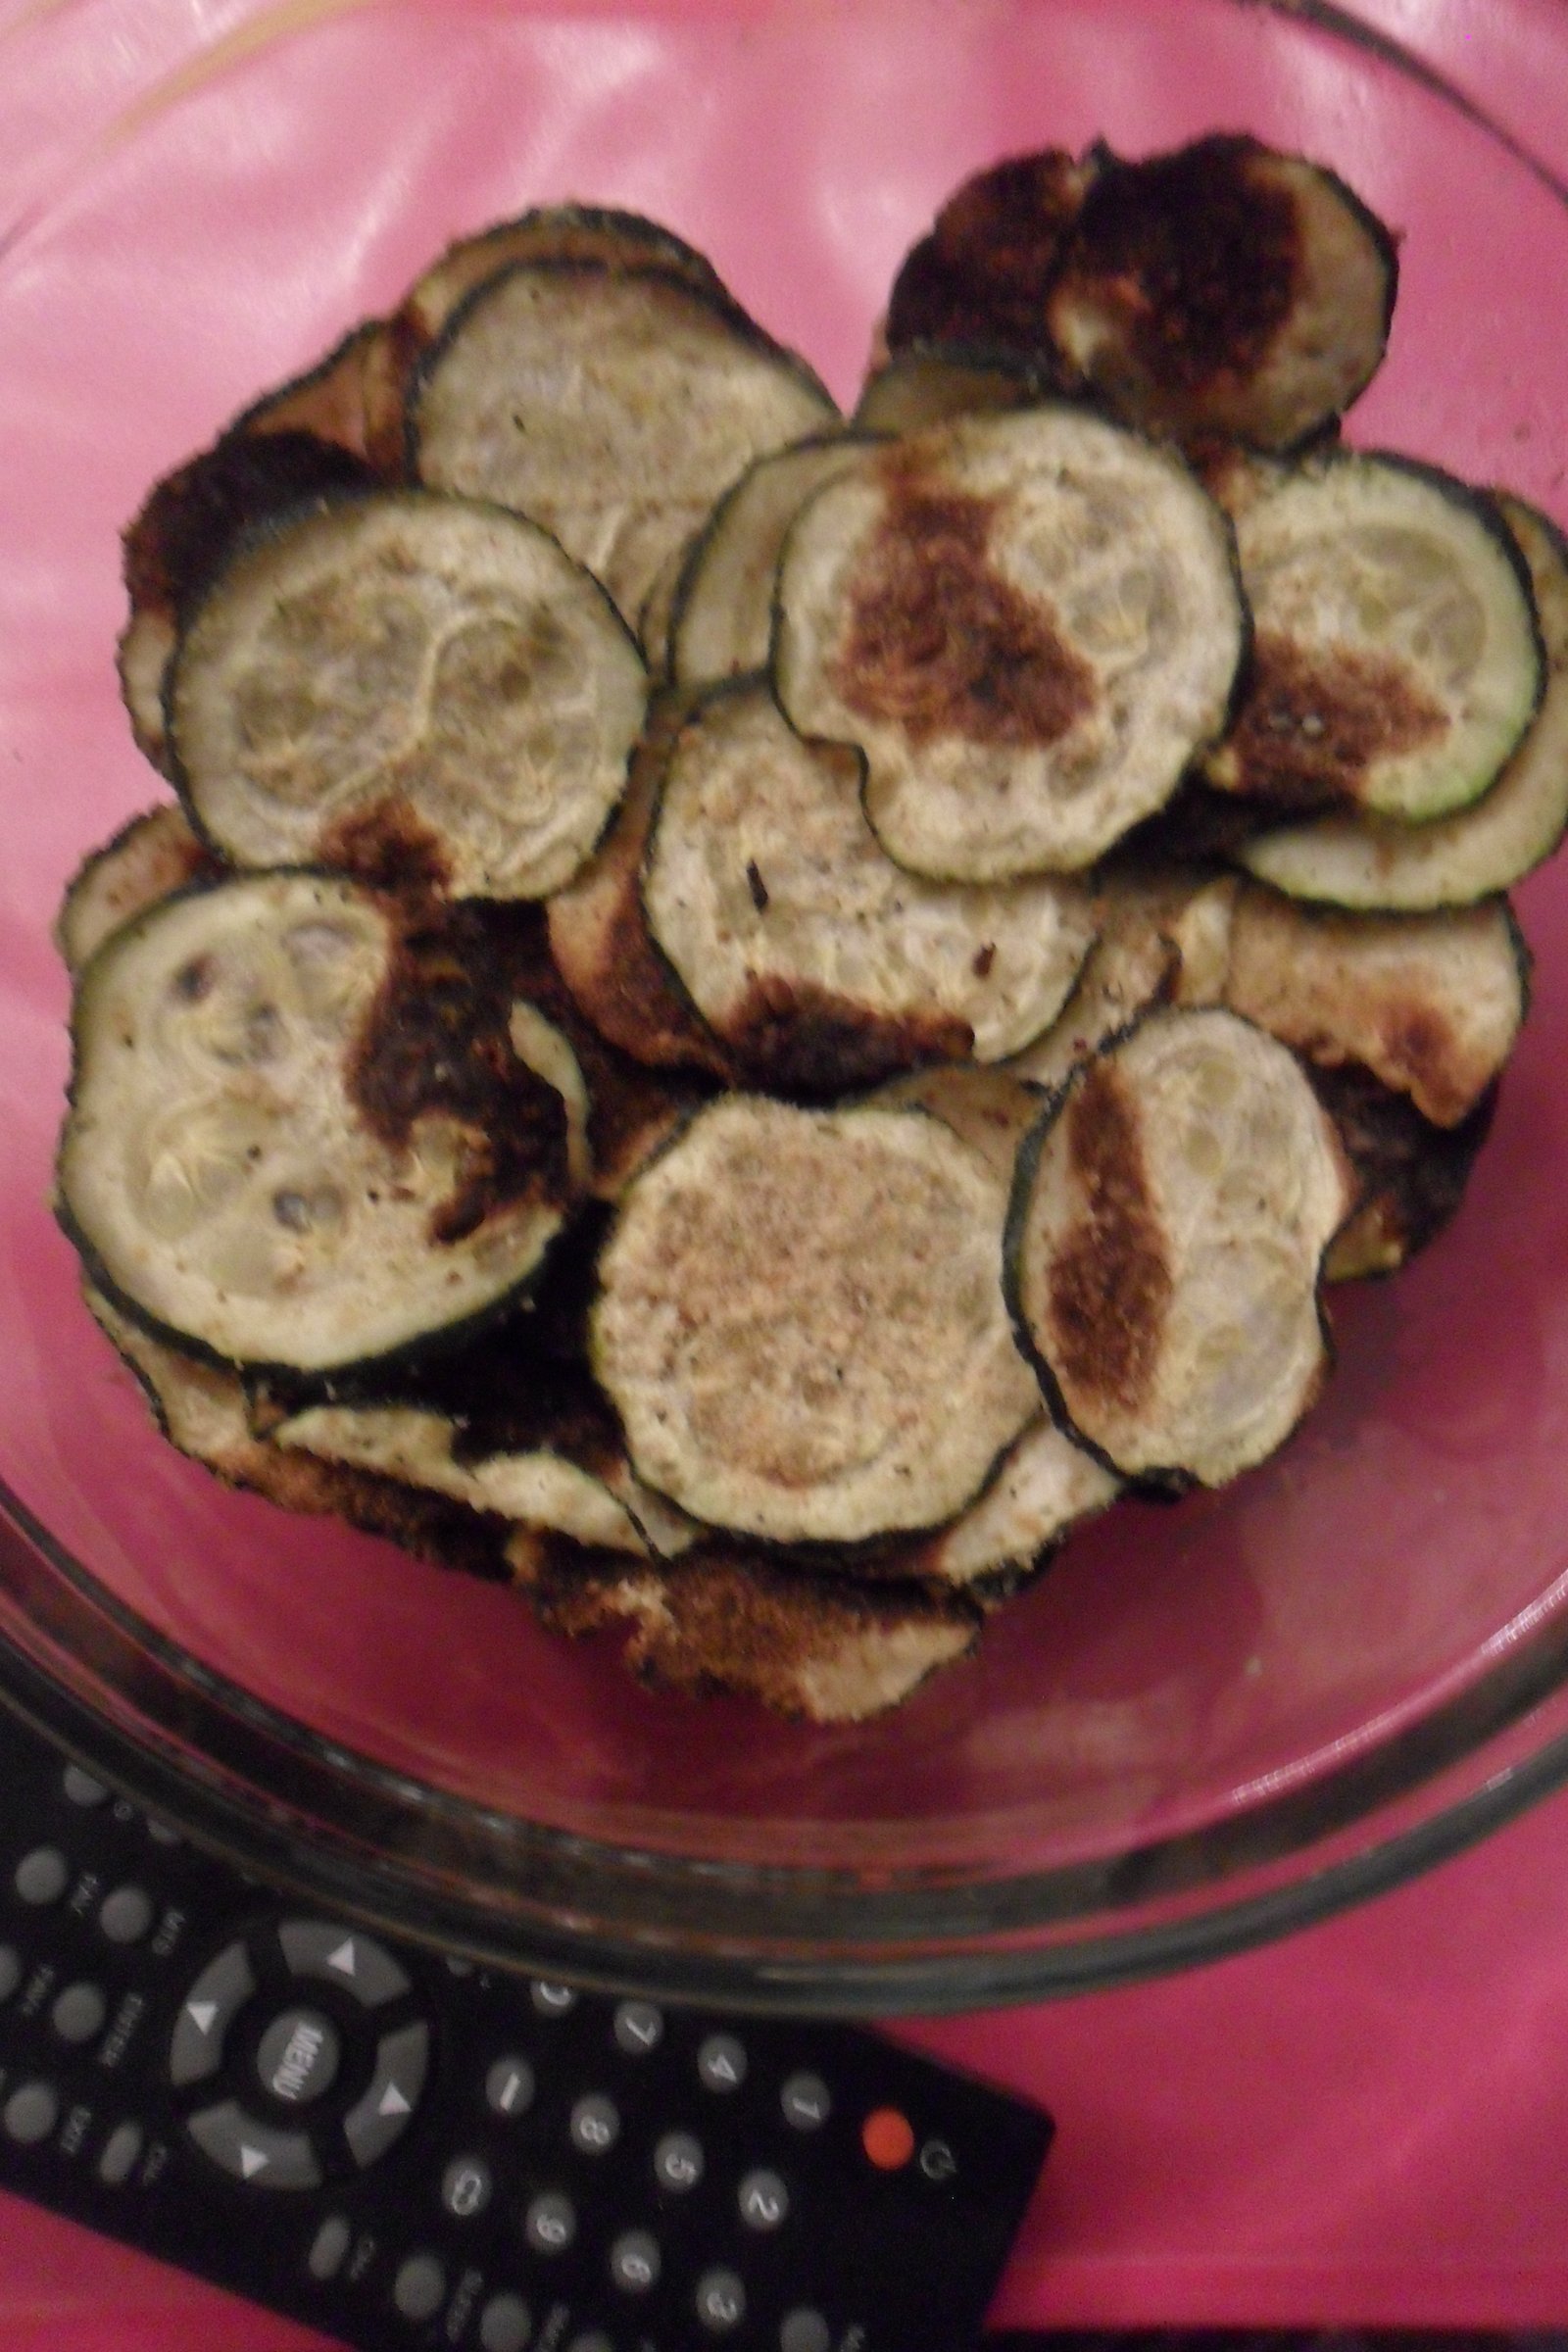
column 298, row 1133
column 149, row 858
column 1517, row 825
column 801, row 1323
column 1028, row 623
column 407, row 686
column 1395, row 658
column 816, row 961
column 723, row 620
column 1430, row 1003
column 1412, row 1175
column 926, row 383
column 612, row 406
column 1165, row 1248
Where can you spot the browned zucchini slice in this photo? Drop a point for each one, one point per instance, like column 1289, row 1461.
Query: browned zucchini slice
column 800, row 1322
column 1357, row 862
column 298, row 1134
column 815, row 959
column 722, row 621
column 334, row 400
column 1169, row 1222
column 991, row 1109
column 1224, row 288
column 400, row 680
column 927, row 383
column 1045, row 1487
column 150, row 858
column 1395, row 659
column 1028, row 622
column 983, row 273
column 613, row 406
column 1412, row 1175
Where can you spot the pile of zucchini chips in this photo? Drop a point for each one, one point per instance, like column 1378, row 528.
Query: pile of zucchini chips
column 743, row 1014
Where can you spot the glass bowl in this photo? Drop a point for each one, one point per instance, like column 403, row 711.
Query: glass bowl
column 1206, row 1724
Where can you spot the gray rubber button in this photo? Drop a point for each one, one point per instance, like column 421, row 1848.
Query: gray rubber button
column 550, row 2223
column 678, row 2162
column 552, row 1999
column 763, row 2200
column 10, row 1970
column 298, row 2056
column 31, row 2113
column 638, row 2027
column 722, row 2063
column 254, row 2152
column 509, row 2087
column 595, row 2125
column 43, row 1876
column 634, row 2261
column 126, row 1915
column 381, row 2115
column 420, row 2288
column 807, row 2102
column 221, row 1989
column 596, row 2340
column 338, row 1955
column 805, row 2331
column 720, row 2301
column 162, row 1834
column 78, row 2012
column 80, row 1787
column 466, row 2187
column 121, row 2153
column 505, row 2325
column 330, row 2246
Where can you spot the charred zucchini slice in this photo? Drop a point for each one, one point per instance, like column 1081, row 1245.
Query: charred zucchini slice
column 1356, row 861
column 800, row 1322
column 1411, row 1175
column 299, row 1134
column 1169, row 1226
column 983, row 273
column 1028, row 623
column 148, row 859
column 613, row 406
column 815, row 959
column 401, row 682
column 722, row 621
column 1395, row 658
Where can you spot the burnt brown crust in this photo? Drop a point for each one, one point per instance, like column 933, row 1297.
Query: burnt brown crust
column 983, row 272
column 1412, row 1175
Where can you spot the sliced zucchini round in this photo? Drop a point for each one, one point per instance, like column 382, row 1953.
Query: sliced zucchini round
column 722, row 621
column 613, row 406
column 404, row 684
column 983, row 273
column 298, row 1134
column 1396, row 657
column 815, row 959
column 1357, row 862
column 1135, row 963
column 989, row 1109
column 1165, row 1246
column 154, row 855
column 800, row 1322
column 1028, row 622
column 925, row 384
column 1046, row 1486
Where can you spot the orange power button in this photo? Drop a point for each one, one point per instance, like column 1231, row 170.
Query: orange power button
column 888, row 2139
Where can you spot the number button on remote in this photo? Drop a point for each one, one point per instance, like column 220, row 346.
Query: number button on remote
column 678, row 2162
column 595, row 2125
column 550, row 1999
column 722, row 2063
column 634, row 2261
column 720, row 2301
column 550, row 2223
column 763, row 2200
column 509, row 2087
column 466, row 2187
column 638, row 2027
column 807, row 2102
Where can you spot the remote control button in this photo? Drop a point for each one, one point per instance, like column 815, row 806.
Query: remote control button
column 595, row 2125
column 162, row 1834
column 211, row 2006
column 550, row 2223
column 78, row 2012
column 888, row 2139
column 505, row 2325
column 509, row 2087
column 81, row 1789
column 552, row 1999
column 763, row 2200
column 678, row 2162
column 805, row 2331
column 10, row 1970
column 466, row 2187
column 634, row 2261
column 638, row 2027
column 807, row 2102
column 720, row 2301
column 125, row 1915
column 298, row 2056
column 121, row 2153
column 43, row 1876
column 722, row 2063
column 31, row 2113
column 251, row 2151
column 319, row 1948
column 596, row 2340
column 420, row 2288
column 382, row 2114
column 330, row 2246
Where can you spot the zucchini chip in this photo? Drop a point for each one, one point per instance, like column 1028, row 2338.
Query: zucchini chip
column 983, row 273
column 1046, row 1486
column 928, row 383
column 409, row 688
column 1395, row 658
column 800, row 1322
column 1225, row 289
column 613, row 406
column 1356, row 861
column 991, row 1111
column 299, row 1134
column 1166, row 1241
column 723, row 622
column 1430, row 1003
column 1412, row 1175
column 1028, row 623
column 816, row 961
column 155, row 854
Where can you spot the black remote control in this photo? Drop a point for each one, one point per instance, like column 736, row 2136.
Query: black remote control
column 401, row 2151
